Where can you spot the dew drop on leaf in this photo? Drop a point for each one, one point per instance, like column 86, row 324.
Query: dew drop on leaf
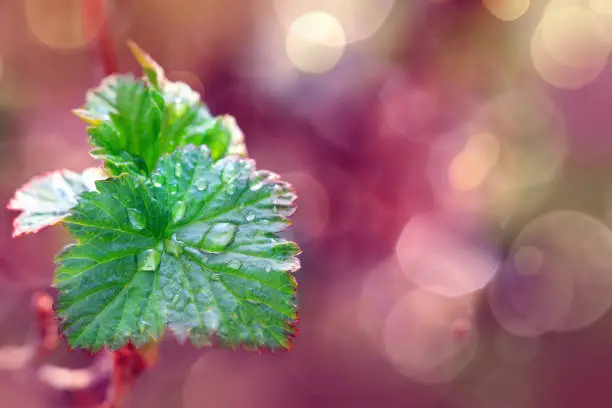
column 157, row 183
column 218, row 237
column 173, row 247
column 136, row 219
column 178, row 170
column 235, row 264
column 143, row 326
column 148, row 260
column 175, row 299
column 250, row 217
column 200, row 184
column 178, row 211
column 211, row 319
column 268, row 268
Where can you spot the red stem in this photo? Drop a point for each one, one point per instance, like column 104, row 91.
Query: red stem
column 96, row 27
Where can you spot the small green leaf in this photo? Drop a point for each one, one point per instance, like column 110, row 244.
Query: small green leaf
column 47, row 199
column 195, row 248
column 134, row 122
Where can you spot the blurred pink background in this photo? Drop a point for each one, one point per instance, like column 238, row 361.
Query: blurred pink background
column 453, row 161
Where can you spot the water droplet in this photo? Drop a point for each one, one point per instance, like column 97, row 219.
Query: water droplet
column 214, row 276
column 143, row 326
column 201, row 184
column 157, row 183
column 148, row 260
column 256, row 187
column 136, row 219
column 175, row 299
column 231, row 189
column 218, row 237
column 178, row 170
column 250, row 217
column 211, row 319
column 235, row 264
column 268, row 268
column 173, row 247
column 178, row 211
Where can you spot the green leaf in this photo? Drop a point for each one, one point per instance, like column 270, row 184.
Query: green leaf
column 195, row 248
column 134, row 122
column 47, row 199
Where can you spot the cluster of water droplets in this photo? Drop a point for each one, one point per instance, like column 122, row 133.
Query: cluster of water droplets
column 216, row 238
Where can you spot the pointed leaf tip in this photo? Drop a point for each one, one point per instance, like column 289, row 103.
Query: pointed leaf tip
column 87, row 117
column 153, row 71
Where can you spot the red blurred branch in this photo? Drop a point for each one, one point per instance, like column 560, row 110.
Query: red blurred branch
column 119, row 369
column 96, row 26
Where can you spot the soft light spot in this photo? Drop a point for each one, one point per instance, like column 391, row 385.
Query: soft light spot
column 420, row 336
column 506, row 315
column 507, row 10
column 470, row 167
column 360, row 19
column 601, row 6
column 60, row 23
column 574, row 36
column 381, row 288
column 573, row 286
column 442, row 261
column 528, row 260
column 315, row 42
column 561, row 75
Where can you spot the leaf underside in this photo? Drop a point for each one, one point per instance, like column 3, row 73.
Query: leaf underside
column 195, row 248
column 47, row 199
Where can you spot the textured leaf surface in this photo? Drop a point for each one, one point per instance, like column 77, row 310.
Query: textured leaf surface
column 47, row 199
column 195, row 248
column 134, row 122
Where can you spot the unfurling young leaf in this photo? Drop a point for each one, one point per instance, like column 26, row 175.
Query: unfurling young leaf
column 165, row 115
column 47, row 199
column 183, row 234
